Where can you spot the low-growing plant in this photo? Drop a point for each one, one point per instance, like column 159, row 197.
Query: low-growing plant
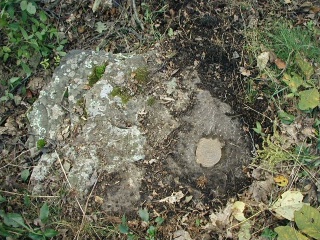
column 27, row 35
column 14, row 226
column 145, row 217
column 269, row 234
column 307, row 220
column 284, row 39
column 150, row 18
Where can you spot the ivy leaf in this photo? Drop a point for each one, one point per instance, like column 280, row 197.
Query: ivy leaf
column 123, row 229
column 25, row 174
column 286, row 118
column 144, row 214
column 100, row 27
column 305, row 66
column 13, row 219
column 50, row 233
column 289, row 233
column 308, row 221
column 2, row 199
column 44, row 213
column 23, row 5
column 294, row 81
column 31, row 8
column 309, row 99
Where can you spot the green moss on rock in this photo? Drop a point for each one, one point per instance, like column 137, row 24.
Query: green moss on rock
column 96, row 74
column 141, row 75
column 122, row 93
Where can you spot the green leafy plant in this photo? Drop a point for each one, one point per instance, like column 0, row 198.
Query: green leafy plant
column 145, row 217
column 25, row 174
column 258, row 129
column 27, row 34
column 13, row 225
column 124, row 228
column 269, row 234
column 150, row 18
column 285, row 39
column 307, row 220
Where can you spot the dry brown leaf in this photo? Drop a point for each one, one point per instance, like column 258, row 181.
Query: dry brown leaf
column 280, row 64
column 260, row 190
column 222, row 219
column 245, row 72
column 262, row 60
column 175, row 197
column 315, row 9
column 98, row 199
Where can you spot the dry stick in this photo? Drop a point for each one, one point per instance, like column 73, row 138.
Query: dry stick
column 86, row 206
column 65, row 175
column 135, row 14
column 33, row 196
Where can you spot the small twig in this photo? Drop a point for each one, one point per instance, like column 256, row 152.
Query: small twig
column 238, row 224
column 65, row 175
column 257, row 112
column 33, row 196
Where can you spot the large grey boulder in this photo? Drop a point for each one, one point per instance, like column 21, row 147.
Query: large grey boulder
column 101, row 130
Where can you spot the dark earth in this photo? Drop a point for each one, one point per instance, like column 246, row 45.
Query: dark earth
column 208, row 35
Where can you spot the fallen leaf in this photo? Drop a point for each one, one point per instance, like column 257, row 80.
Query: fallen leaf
column 289, row 233
column 294, row 81
column 222, row 219
column 237, row 211
column 175, row 197
column 260, row 190
column 245, row 72
column 280, row 64
column 262, row 60
column 308, row 221
column 315, row 9
column 96, row 5
column 281, row 181
column 81, row 29
column 181, row 235
column 244, row 232
column 287, row 204
column 305, row 66
column 98, row 199
column 309, row 99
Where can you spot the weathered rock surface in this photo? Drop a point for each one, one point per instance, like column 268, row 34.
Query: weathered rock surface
column 100, row 137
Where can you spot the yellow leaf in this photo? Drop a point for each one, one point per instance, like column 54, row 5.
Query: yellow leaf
column 237, row 210
column 281, row 180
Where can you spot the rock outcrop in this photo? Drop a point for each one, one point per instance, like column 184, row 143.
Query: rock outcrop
column 105, row 112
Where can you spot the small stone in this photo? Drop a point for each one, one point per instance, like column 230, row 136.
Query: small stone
column 181, row 235
column 208, row 152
